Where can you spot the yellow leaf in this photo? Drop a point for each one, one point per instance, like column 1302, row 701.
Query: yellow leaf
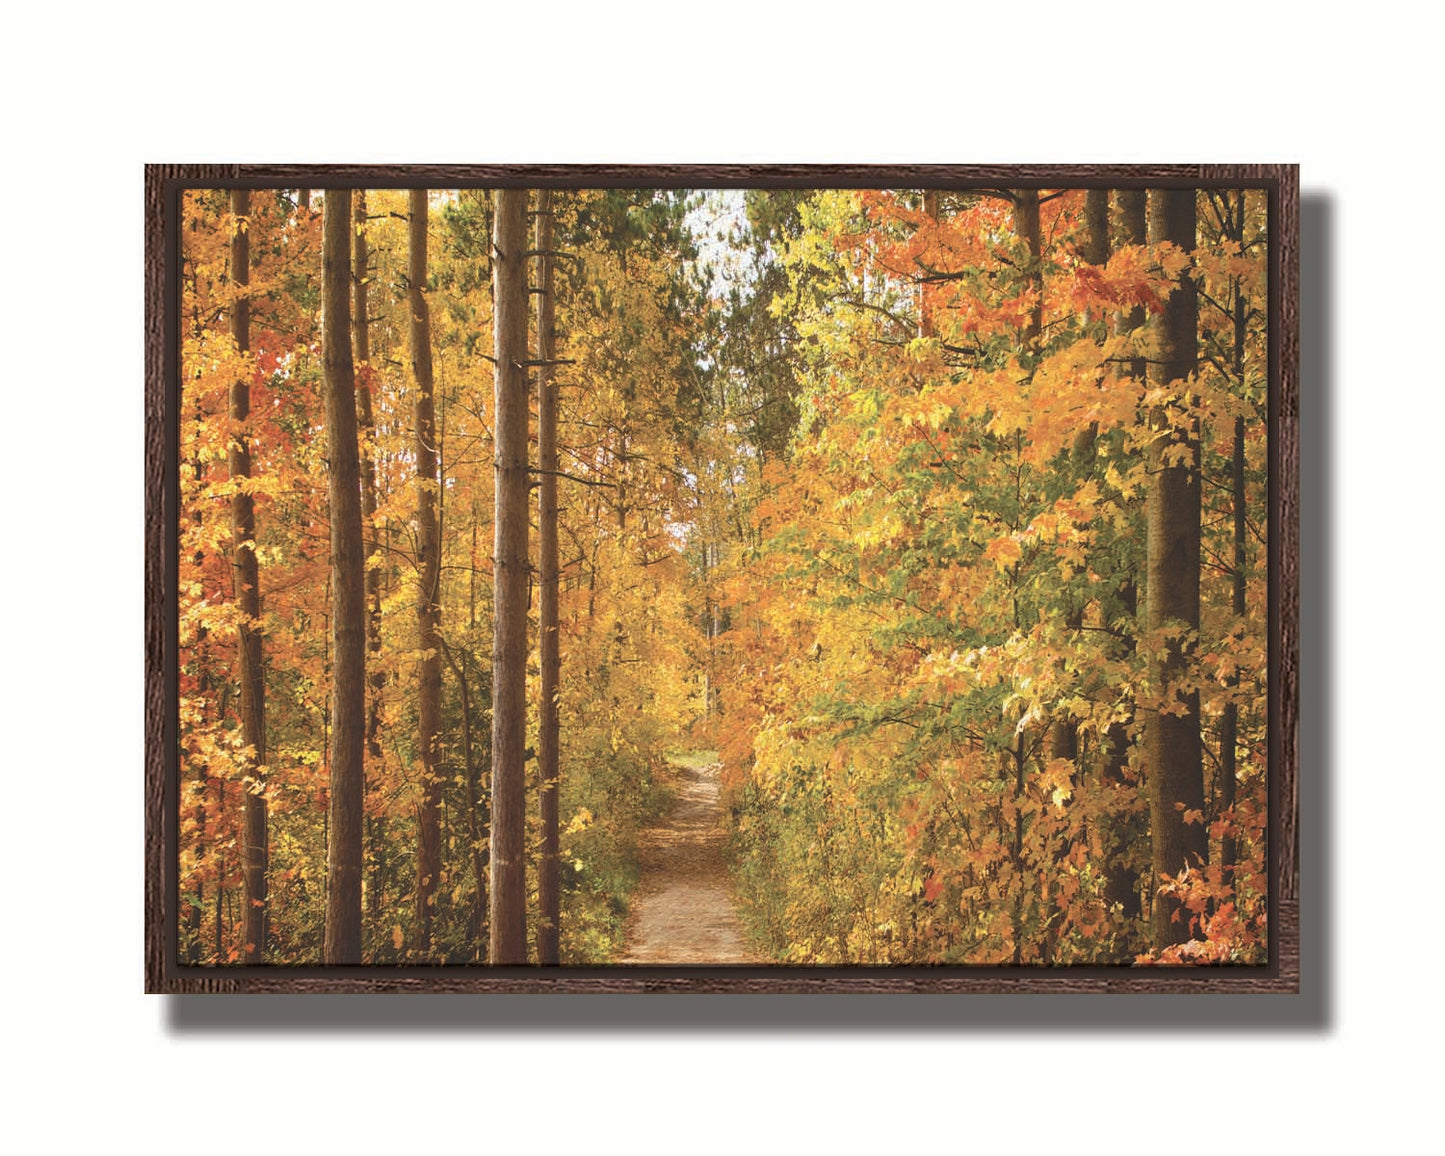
column 1004, row 552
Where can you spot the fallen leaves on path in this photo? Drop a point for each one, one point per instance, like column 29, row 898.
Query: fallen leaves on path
column 683, row 912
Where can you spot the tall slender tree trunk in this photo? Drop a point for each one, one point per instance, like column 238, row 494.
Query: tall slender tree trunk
column 348, row 622
column 1094, row 248
column 248, row 597
column 1134, row 230
column 549, row 895
column 1013, row 767
column 926, row 325
column 195, row 906
column 366, row 378
column 475, row 791
column 218, row 923
column 712, row 619
column 473, row 567
column 509, row 596
column 1029, row 231
column 1172, row 750
column 1096, row 226
column 1229, row 723
column 428, row 610
column 195, row 911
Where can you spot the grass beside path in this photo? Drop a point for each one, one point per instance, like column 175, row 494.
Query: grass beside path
column 692, row 760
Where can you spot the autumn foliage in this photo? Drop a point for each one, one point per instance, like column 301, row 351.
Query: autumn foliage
column 858, row 495
column 626, row 691
column 939, row 671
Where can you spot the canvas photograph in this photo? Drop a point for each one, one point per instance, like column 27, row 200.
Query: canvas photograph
column 615, row 578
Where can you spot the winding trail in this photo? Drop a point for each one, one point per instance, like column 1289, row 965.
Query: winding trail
column 683, row 912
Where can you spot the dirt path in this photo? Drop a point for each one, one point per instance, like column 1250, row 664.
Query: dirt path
column 683, row 912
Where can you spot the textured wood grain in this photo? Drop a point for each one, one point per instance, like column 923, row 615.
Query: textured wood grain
column 726, row 176
column 1284, row 512
column 160, row 454
column 163, row 974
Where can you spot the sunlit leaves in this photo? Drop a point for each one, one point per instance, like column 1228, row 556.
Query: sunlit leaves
column 948, row 580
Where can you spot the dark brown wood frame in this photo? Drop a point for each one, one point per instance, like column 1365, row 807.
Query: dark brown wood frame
column 163, row 972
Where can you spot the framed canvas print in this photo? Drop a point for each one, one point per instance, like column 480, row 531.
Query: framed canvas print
column 721, row 579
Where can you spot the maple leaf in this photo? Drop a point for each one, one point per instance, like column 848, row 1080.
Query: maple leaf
column 1004, row 552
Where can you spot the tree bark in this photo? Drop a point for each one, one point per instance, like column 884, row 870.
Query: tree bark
column 1134, row 230
column 1229, row 724
column 248, row 597
column 549, row 896
column 365, row 414
column 1029, row 231
column 428, row 610
column 476, row 789
column 1173, row 753
column 510, row 575
column 348, row 622
column 926, row 325
column 194, row 915
column 366, row 376
column 218, row 923
column 1095, row 249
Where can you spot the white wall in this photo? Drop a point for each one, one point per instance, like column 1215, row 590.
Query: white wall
column 91, row 98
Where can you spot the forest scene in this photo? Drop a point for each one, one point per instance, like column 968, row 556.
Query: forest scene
column 769, row 577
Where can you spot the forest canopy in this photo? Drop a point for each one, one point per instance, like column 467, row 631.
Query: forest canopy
column 932, row 521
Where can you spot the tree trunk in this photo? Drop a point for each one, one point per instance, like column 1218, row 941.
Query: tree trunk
column 1027, row 226
column 1094, row 248
column 203, row 678
column 926, row 325
column 1173, row 755
column 1229, row 724
column 549, row 897
column 218, row 925
column 366, row 376
column 1121, row 881
column 248, row 598
column 510, row 570
column 475, row 791
column 1134, row 230
column 348, row 621
column 428, row 610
